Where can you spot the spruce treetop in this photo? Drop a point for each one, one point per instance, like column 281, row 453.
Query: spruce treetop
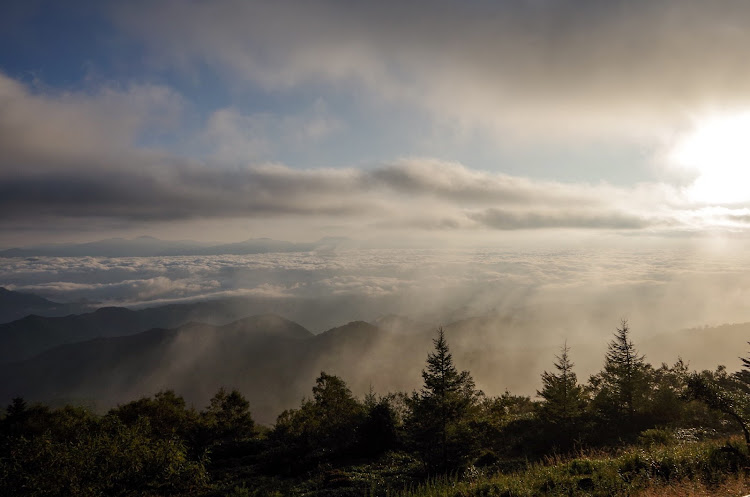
column 621, row 352
column 441, row 377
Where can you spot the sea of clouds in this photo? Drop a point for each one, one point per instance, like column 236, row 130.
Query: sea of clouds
column 662, row 289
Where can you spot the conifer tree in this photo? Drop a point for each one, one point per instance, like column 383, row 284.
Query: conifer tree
column 623, row 386
column 16, row 408
column 564, row 399
column 440, row 412
column 451, row 389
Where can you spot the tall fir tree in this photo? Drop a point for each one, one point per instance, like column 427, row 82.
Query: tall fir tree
column 564, row 398
column 623, row 387
column 441, row 411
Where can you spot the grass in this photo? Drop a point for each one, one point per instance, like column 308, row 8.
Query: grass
column 732, row 487
column 688, row 469
column 685, row 469
column 371, row 478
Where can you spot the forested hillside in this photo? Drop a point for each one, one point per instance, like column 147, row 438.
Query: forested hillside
column 629, row 428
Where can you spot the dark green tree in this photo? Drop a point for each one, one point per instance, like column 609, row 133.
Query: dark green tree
column 16, row 408
column 439, row 421
column 744, row 374
column 227, row 417
column 622, row 389
column 725, row 396
column 79, row 454
column 745, row 362
column 25, row 420
column 338, row 413
column 326, row 426
column 729, row 394
column 667, row 405
column 15, row 418
column 166, row 413
column 380, row 430
column 504, row 426
column 564, row 399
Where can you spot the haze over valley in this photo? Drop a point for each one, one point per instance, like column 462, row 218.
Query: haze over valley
column 506, row 312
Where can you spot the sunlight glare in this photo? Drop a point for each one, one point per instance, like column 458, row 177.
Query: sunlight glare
column 718, row 149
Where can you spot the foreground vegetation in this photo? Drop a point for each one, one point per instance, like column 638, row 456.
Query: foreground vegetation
column 707, row 467
column 631, row 429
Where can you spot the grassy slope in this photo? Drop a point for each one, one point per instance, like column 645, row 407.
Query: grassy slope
column 706, row 468
column 691, row 469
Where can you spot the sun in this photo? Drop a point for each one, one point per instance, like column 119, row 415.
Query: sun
column 718, row 150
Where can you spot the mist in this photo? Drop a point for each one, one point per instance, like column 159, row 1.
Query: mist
column 506, row 312
column 667, row 288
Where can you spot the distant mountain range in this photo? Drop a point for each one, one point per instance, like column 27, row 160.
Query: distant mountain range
column 30, row 324
column 255, row 353
column 147, row 246
column 272, row 360
column 114, row 355
column 33, row 334
column 26, row 337
column 15, row 305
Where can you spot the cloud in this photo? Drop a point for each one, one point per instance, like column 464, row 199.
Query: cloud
column 568, row 66
column 509, row 220
column 234, row 137
column 77, row 156
column 66, row 131
column 386, row 195
column 574, row 290
column 156, row 288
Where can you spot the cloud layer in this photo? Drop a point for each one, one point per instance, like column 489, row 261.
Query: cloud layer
column 664, row 289
column 129, row 154
column 60, row 162
column 546, row 64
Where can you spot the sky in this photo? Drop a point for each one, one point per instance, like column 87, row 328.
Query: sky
column 466, row 121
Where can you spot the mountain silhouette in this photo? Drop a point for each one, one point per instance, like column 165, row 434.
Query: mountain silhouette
column 274, row 361
column 31, row 335
column 15, row 305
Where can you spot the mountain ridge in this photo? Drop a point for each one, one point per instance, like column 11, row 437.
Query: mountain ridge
column 26, row 337
column 16, row 305
column 115, row 354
